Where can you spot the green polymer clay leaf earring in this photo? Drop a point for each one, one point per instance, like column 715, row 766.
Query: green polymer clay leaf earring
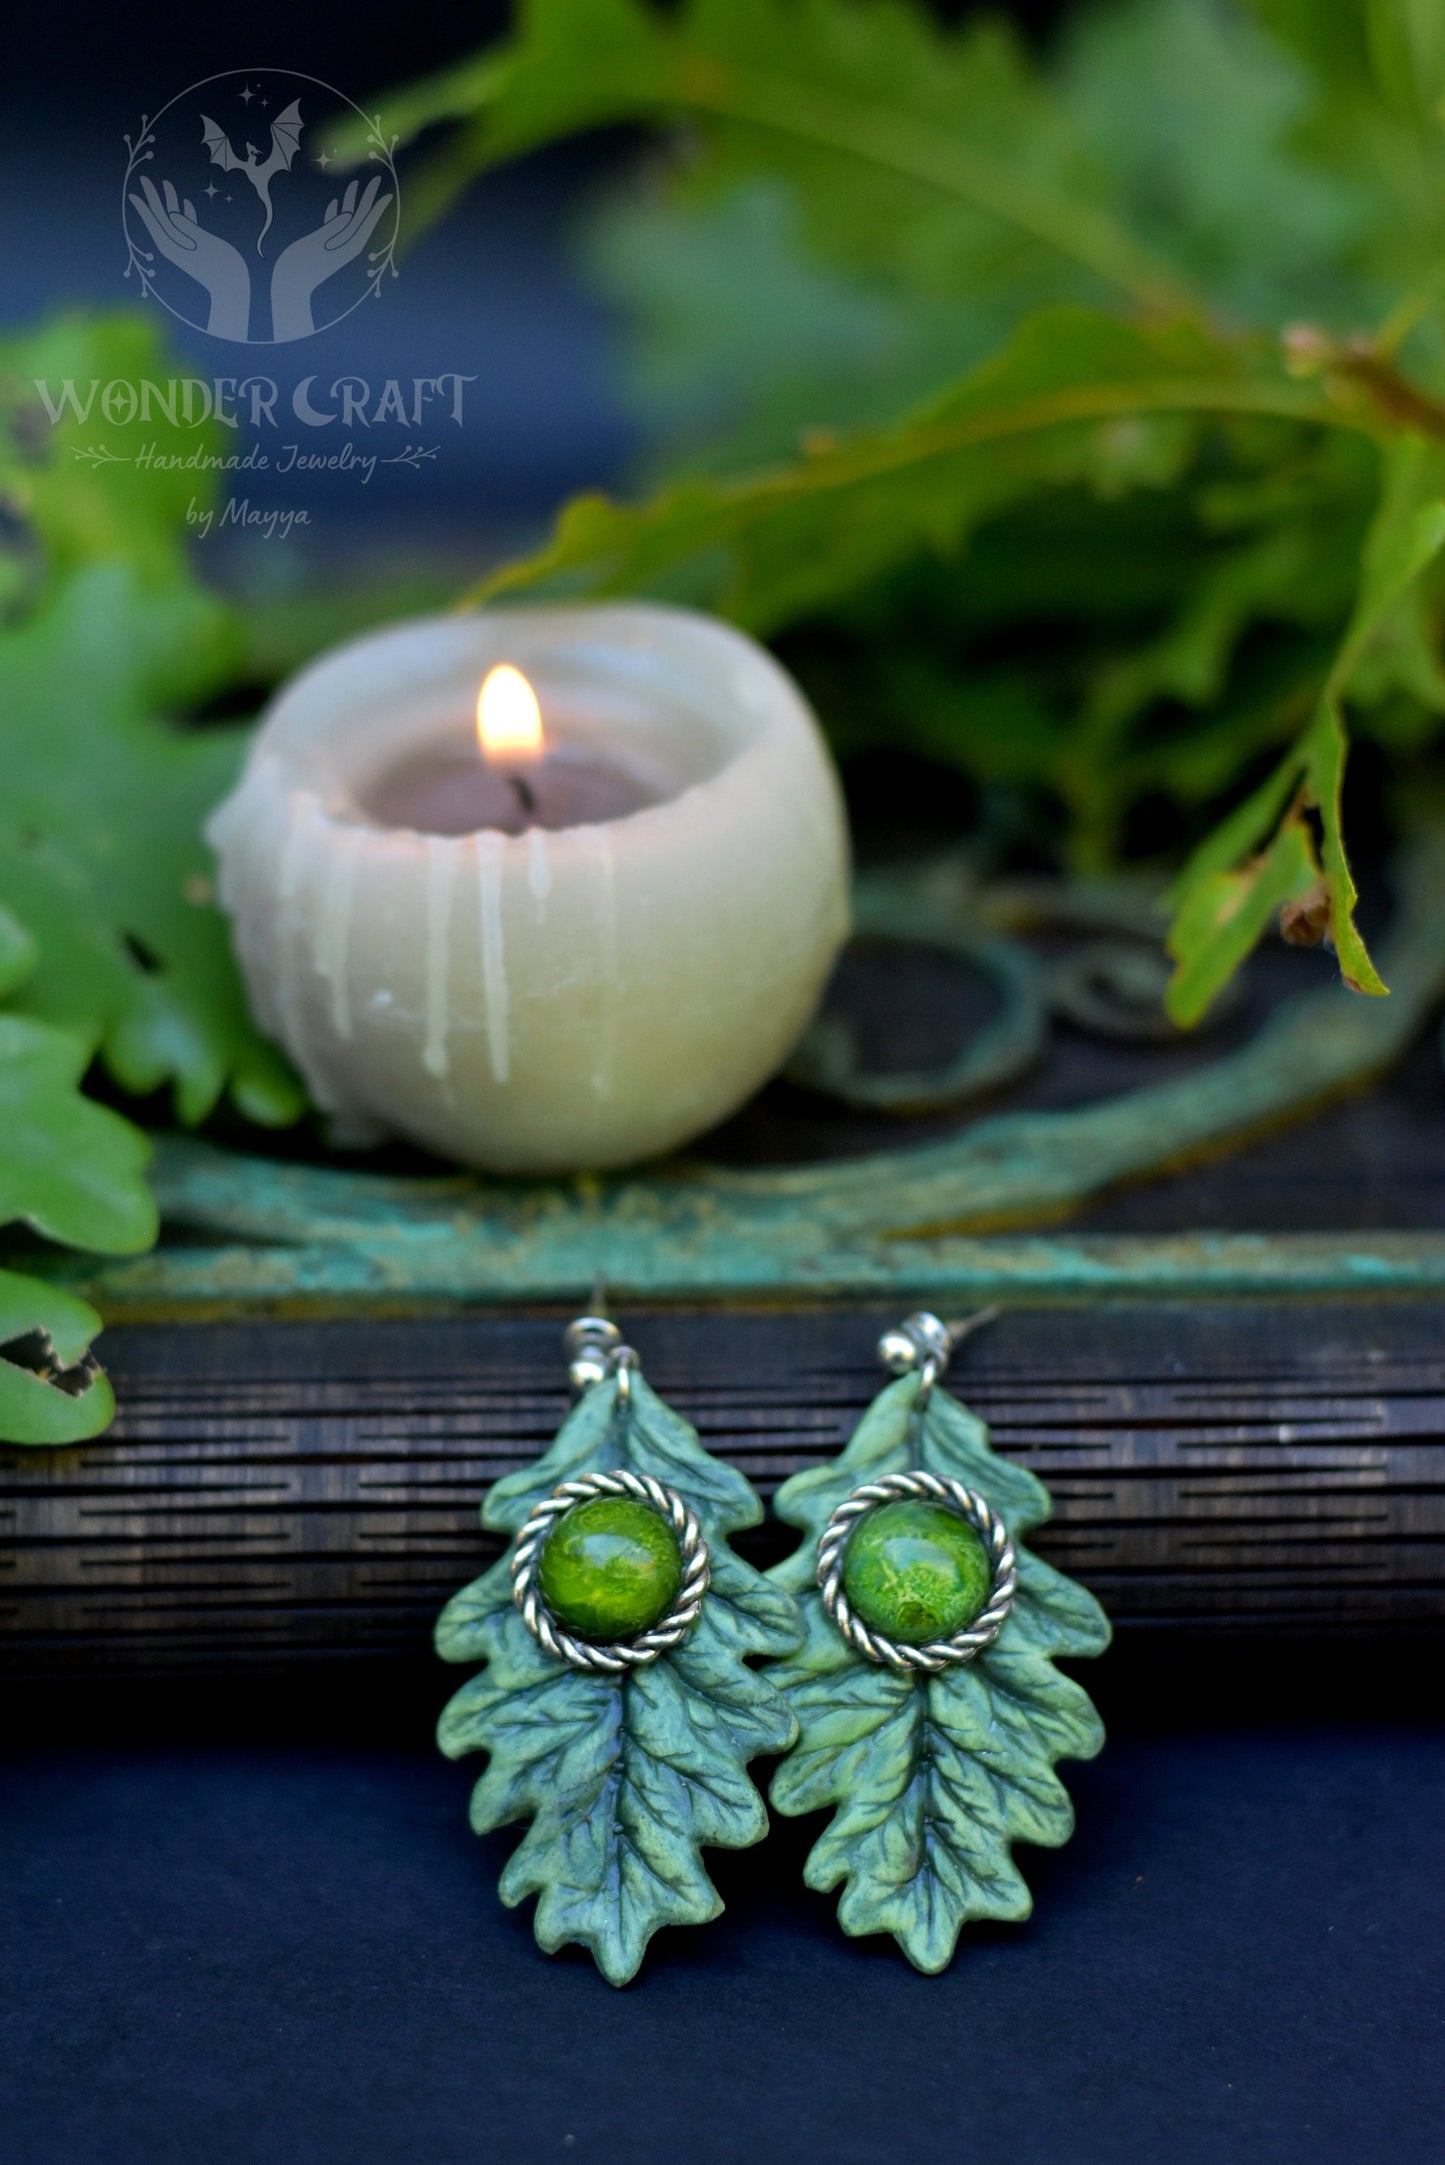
column 618, row 1704
column 930, row 1713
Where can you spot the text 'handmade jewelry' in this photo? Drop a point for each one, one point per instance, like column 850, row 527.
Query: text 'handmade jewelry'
column 930, row 1712
column 618, row 1705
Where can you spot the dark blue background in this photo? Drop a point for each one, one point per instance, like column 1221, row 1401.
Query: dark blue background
column 276, row 1948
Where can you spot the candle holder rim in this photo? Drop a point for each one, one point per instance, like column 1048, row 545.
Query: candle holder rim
column 301, row 740
column 332, row 668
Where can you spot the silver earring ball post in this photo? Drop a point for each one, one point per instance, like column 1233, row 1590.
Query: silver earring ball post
column 898, row 1351
column 925, row 1341
column 594, row 1347
column 591, row 1344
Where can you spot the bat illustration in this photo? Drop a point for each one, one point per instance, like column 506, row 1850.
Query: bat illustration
column 285, row 142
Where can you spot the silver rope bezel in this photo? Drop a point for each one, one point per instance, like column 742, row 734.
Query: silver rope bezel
column 937, row 1653
column 610, row 1657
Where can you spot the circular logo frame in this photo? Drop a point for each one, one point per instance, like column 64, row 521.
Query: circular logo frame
column 163, row 223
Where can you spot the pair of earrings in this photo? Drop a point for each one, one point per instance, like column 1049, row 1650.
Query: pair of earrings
column 908, row 1680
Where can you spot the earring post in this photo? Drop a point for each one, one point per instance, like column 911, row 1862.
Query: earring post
column 965, row 1326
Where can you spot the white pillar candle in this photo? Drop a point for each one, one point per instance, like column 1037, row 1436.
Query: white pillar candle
column 561, row 997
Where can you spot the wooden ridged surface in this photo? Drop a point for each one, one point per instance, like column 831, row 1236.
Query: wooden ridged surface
column 310, row 1490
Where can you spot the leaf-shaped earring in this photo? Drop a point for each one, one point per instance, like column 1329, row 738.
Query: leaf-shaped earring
column 930, row 1712
column 617, row 1703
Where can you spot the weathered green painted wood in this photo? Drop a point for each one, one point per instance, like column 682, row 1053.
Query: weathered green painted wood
column 471, row 1262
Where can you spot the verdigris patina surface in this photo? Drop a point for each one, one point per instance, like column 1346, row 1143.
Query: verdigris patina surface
column 913, row 1220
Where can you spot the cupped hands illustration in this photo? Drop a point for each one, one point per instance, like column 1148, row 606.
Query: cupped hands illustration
column 222, row 272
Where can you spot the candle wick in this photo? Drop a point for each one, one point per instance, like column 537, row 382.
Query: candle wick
column 526, row 795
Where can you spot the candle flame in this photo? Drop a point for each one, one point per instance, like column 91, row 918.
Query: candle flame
column 508, row 716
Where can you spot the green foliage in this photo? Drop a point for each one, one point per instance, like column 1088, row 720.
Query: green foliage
column 623, row 1780
column 1208, row 165
column 932, row 1779
column 18, row 953
column 51, row 1391
column 69, row 1169
column 1093, row 582
column 73, row 483
column 101, row 855
column 812, row 91
column 851, row 330
column 1223, row 904
column 110, row 946
column 720, row 388
column 1077, row 398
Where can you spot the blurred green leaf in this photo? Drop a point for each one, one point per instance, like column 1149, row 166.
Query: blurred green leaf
column 893, row 196
column 622, row 1778
column 1373, row 119
column 1077, row 397
column 719, row 387
column 857, row 305
column 906, row 137
column 69, row 1169
column 18, row 953
column 101, row 854
column 855, row 201
column 1221, row 916
column 1207, row 161
column 76, row 480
